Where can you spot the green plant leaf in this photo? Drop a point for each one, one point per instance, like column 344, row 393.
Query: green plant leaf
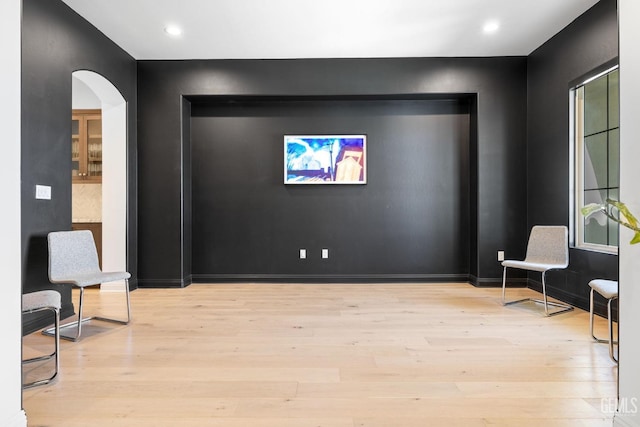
column 623, row 216
column 591, row 208
column 625, row 212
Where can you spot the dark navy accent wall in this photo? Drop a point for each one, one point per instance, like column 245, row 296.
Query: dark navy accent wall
column 585, row 45
column 496, row 88
column 55, row 43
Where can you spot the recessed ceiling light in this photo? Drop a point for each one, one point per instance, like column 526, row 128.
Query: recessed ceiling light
column 491, row 27
column 173, row 30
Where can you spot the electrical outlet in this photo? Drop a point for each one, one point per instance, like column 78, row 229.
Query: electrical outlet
column 303, row 253
column 325, row 253
column 43, row 192
column 500, row 255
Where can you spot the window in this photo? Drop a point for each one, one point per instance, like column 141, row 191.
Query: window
column 596, row 150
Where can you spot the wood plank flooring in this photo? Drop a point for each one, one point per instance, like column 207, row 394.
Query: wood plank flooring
column 326, row 355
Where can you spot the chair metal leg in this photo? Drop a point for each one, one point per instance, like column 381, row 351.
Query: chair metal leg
column 55, row 355
column 563, row 307
column 609, row 341
column 591, row 319
column 78, row 323
column 504, row 281
column 504, row 284
column 119, row 321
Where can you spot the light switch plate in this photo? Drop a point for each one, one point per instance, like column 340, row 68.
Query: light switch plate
column 325, row 253
column 43, row 192
column 500, row 255
column 303, row 253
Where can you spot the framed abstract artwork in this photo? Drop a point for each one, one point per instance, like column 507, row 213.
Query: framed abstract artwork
column 325, row 159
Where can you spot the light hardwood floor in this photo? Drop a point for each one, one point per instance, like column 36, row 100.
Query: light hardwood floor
column 327, row 355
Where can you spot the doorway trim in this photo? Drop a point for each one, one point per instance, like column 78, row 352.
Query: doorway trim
column 114, row 174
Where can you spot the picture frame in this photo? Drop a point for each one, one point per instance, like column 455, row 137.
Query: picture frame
column 325, row 159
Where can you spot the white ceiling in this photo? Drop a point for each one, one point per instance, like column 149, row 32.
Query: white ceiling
column 274, row 29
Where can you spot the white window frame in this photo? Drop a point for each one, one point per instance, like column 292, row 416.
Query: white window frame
column 576, row 169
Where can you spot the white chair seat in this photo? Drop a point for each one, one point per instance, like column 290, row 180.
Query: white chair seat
column 533, row 266
column 607, row 288
column 39, row 299
column 90, row 279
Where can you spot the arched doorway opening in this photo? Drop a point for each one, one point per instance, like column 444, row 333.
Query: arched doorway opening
column 92, row 91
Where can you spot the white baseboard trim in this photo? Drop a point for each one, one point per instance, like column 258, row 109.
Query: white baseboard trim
column 117, row 286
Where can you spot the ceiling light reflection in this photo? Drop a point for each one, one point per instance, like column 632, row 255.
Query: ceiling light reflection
column 173, row 30
column 491, row 27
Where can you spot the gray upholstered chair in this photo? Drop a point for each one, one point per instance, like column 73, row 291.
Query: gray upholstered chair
column 608, row 289
column 73, row 259
column 547, row 249
column 47, row 300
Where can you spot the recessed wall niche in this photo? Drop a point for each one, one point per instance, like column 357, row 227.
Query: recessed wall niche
column 411, row 220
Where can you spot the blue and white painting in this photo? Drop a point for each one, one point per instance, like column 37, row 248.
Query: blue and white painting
column 325, row 159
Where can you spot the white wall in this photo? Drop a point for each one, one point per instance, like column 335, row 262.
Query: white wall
column 83, row 97
column 11, row 414
column 114, row 190
column 629, row 255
